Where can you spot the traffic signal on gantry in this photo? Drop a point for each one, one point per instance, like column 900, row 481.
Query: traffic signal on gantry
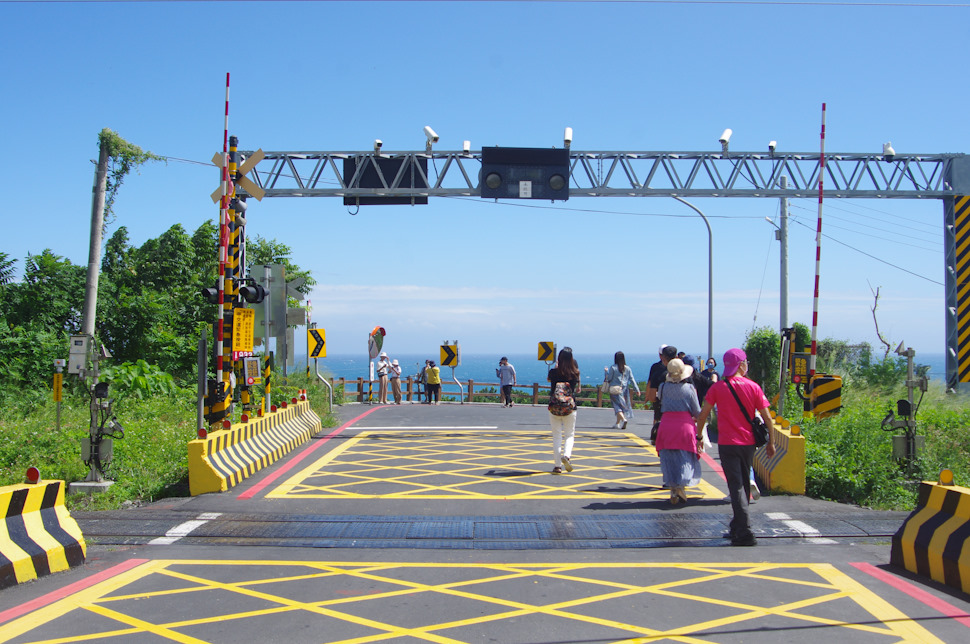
column 525, row 173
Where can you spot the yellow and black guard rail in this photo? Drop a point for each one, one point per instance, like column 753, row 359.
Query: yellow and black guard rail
column 225, row 457
column 38, row 536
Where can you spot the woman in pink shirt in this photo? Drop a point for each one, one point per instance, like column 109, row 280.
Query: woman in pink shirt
column 735, row 441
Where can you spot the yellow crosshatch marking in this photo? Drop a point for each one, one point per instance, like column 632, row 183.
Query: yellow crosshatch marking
column 496, row 464
column 472, row 602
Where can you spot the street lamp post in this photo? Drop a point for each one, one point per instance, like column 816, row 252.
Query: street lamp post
column 781, row 234
column 710, row 276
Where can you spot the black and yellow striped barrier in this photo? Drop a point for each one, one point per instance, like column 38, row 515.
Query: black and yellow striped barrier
column 826, row 393
column 785, row 471
column 224, row 458
column 934, row 541
column 38, row 536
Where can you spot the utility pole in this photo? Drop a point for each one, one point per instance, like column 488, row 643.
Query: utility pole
column 782, row 234
column 94, row 250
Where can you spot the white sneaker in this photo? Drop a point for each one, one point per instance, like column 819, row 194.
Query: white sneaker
column 755, row 492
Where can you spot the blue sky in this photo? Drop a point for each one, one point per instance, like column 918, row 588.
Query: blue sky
column 501, row 277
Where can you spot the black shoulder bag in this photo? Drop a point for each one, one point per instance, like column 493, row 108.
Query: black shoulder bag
column 757, row 425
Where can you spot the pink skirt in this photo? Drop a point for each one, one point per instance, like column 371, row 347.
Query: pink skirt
column 677, row 431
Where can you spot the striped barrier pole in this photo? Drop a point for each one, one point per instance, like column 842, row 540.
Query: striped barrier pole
column 818, row 251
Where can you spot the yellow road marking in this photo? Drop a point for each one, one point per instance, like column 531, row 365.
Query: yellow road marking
column 732, row 597
column 442, row 464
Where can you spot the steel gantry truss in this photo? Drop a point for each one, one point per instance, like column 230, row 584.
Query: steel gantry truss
column 423, row 174
column 622, row 174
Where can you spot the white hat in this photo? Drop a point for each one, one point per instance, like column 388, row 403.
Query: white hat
column 383, row 354
column 394, row 362
column 661, row 349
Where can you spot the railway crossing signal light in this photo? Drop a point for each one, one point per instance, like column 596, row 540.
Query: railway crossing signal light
column 252, row 293
column 525, row 173
column 211, row 295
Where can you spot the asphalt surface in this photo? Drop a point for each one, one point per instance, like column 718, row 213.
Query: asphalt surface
column 419, row 523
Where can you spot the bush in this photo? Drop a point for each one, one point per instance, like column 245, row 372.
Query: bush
column 139, row 379
column 150, row 462
column 849, row 459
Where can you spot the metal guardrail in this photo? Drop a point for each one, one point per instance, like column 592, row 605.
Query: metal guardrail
column 365, row 391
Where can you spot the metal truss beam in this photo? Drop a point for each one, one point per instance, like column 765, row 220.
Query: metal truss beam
column 628, row 174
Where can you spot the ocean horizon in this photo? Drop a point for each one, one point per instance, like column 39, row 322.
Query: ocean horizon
column 528, row 369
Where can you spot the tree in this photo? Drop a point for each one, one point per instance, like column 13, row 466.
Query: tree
column 123, row 157
column 269, row 251
column 150, row 303
column 36, row 316
column 6, row 269
column 50, row 295
column 763, row 348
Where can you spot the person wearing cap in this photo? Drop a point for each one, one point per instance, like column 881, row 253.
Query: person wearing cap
column 677, row 436
column 658, row 374
column 383, row 366
column 434, row 383
column 735, row 440
column 506, row 379
column 395, row 375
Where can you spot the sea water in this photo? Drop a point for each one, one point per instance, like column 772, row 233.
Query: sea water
column 528, row 368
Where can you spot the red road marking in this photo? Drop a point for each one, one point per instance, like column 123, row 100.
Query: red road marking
column 916, row 593
column 259, row 487
column 714, row 465
column 78, row 586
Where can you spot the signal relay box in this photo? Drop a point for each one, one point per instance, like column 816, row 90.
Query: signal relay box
column 78, row 354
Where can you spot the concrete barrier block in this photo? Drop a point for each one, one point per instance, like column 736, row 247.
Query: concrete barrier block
column 934, row 541
column 38, row 536
column 226, row 457
column 785, row 471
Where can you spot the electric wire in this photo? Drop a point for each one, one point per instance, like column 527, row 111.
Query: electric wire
column 882, row 222
column 761, row 288
column 878, row 259
column 755, row 3
column 871, row 235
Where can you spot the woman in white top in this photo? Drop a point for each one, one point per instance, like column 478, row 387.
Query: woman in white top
column 395, row 374
column 383, row 366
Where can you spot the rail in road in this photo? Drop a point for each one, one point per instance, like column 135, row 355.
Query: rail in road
column 419, row 523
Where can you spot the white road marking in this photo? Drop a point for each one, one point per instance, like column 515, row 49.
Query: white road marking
column 807, row 531
column 184, row 529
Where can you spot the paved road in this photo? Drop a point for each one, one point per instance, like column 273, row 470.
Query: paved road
column 419, row 523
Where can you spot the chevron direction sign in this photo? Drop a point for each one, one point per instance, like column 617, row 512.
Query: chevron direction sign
column 547, row 351
column 450, row 355
column 316, row 342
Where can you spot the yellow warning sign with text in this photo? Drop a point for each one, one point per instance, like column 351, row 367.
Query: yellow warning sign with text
column 243, row 324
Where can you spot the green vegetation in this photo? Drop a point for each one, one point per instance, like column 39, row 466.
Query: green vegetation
column 849, row 455
column 150, row 316
column 150, row 462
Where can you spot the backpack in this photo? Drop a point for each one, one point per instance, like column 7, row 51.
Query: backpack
column 561, row 402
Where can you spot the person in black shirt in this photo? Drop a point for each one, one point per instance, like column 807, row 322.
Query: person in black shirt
column 658, row 374
column 565, row 374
